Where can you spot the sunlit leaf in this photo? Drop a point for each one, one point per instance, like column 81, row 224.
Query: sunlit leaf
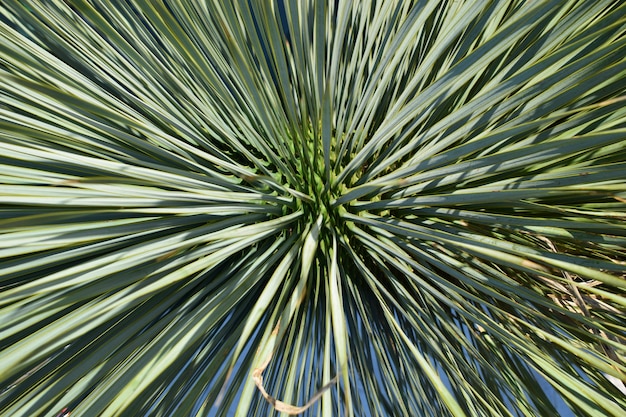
column 375, row 208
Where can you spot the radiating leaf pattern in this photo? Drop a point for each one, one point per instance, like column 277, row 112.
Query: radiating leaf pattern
column 425, row 200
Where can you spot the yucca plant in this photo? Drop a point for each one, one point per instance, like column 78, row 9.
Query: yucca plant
column 396, row 208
